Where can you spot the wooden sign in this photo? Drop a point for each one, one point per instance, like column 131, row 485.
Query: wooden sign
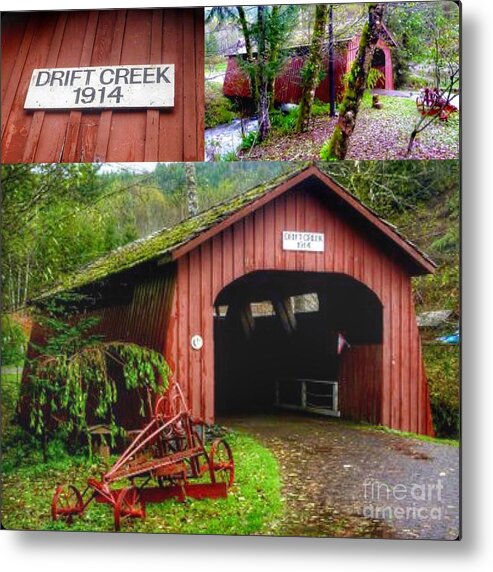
column 303, row 241
column 108, row 87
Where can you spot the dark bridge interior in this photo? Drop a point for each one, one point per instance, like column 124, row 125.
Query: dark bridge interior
column 271, row 325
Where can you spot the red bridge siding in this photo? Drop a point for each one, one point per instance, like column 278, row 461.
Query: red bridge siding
column 360, row 388
column 254, row 243
column 142, row 319
column 288, row 86
column 95, row 38
column 388, row 81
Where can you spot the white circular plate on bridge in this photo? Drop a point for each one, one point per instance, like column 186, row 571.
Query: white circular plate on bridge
column 197, row 342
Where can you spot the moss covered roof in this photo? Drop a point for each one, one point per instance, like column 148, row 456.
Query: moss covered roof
column 161, row 244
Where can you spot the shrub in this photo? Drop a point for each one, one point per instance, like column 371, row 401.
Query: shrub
column 218, row 109
column 249, row 140
column 13, row 342
column 443, row 371
column 319, row 108
column 284, row 123
column 73, row 376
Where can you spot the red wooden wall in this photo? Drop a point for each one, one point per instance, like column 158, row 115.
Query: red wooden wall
column 387, row 70
column 95, row 38
column 360, row 383
column 162, row 306
column 288, row 86
column 254, row 243
column 142, row 317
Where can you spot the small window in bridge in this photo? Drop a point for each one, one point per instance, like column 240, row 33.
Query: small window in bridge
column 260, row 309
column 220, row 311
column 304, row 303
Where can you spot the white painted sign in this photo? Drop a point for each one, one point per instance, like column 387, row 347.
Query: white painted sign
column 106, row 87
column 197, row 342
column 304, row 241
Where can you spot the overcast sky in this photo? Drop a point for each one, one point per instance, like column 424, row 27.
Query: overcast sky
column 132, row 167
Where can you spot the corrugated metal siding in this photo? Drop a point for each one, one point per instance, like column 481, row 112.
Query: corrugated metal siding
column 254, row 243
column 143, row 319
column 95, row 38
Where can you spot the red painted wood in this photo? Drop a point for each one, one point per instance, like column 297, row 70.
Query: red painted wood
column 195, row 322
column 360, row 375
column 288, row 87
column 152, row 119
column 106, row 37
column 383, row 382
column 75, row 117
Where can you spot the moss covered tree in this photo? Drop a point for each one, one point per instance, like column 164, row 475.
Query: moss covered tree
column 313, row 67
column 192, row 189
column 336, row 147
column 270, row 32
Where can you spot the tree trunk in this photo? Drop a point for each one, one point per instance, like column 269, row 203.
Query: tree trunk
column 273, row 56
column 249, row 50
column 411, row 141
column 263, row 83
column 336, row 147
column 312, row 68
column 332, row 75
column 191, row 181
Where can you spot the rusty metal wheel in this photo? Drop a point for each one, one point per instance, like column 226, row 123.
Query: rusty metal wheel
column 200, row 462
column 129, row 504
column 67, row 502
column 221, row 459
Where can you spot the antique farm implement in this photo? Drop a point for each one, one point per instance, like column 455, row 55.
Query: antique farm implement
column 432, row 102
column 162, row 462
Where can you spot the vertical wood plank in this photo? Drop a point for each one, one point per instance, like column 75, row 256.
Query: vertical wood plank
column 183, row 326
column 199, row 127
column 194, row 314
column 126, row 138
column 73, row 128
column 103, row 135
column 189, row 78
column 13, row 80
column 151, row 151
column 207, row 327
column 38, row 116
column 171, row 139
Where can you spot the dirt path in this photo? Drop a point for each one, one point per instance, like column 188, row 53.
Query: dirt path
column 340, row 480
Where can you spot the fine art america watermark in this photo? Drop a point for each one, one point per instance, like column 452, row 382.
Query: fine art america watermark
column 418, row 501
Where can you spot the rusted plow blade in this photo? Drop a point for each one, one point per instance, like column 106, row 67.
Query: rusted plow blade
column 431, row 102
column 159, row 464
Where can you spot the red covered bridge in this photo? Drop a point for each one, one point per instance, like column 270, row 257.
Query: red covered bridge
column 288, row 86
column 259, row 290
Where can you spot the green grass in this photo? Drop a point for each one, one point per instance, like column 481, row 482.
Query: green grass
column 253, row 505
column 405, row 434
column 215, row 68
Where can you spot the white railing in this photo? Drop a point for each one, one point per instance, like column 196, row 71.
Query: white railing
column 313, row 395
